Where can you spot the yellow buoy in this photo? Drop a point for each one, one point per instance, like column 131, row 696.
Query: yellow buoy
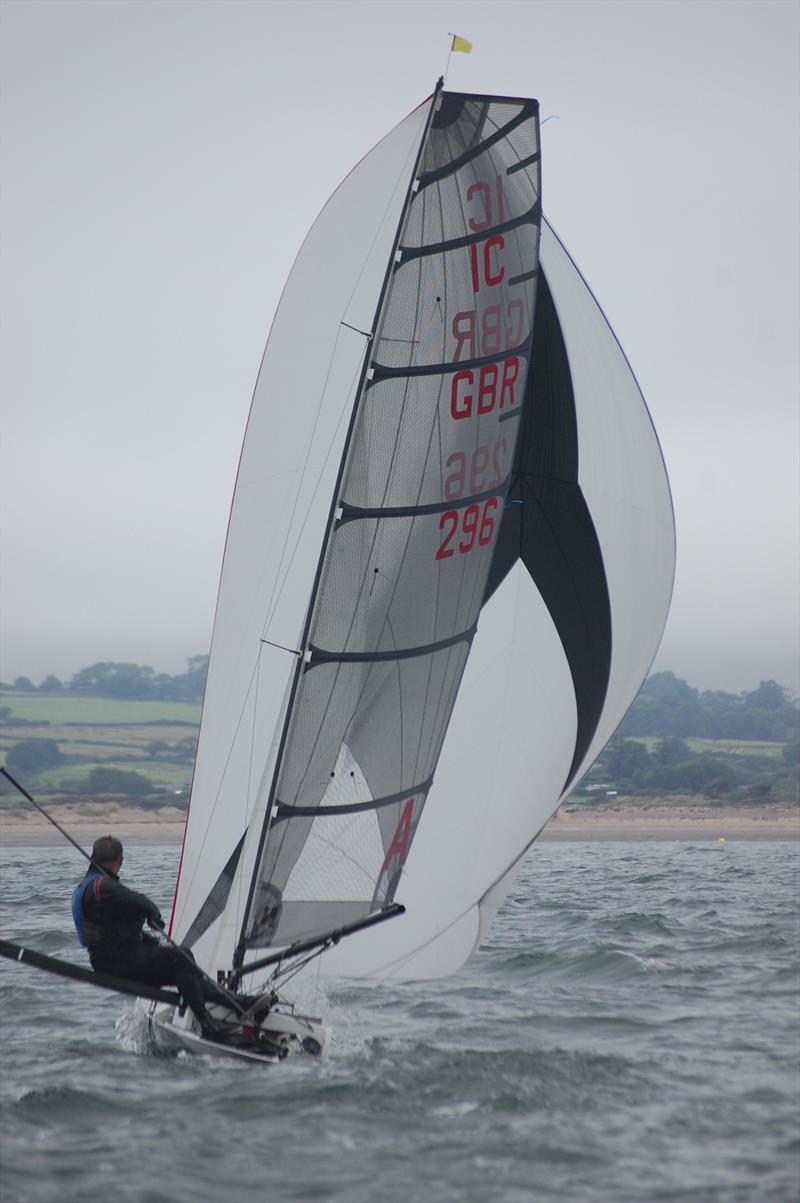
column 721, row 839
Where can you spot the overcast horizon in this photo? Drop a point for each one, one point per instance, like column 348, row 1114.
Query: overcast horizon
column 161, row 166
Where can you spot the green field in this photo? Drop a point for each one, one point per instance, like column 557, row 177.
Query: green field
column 56, row 709
column 153, row 739
column 734, row 747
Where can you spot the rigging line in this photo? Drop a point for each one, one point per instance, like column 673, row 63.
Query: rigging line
column 419, row 147
column 445, row 703
column 365, row 872
column 334, row 684
column 356, row 329
column 272, row 818
column 408, row 956
column 316, row 985
column 106, row 873
column 272, row 604
column 400, row 177
column 366, row 680
column 284, row 976
column 293, row 650
column 239, row 877
column 270, row 607
column 400, row 715
column 231, row 746
column 50, row 819
column 396, row 441
column 429, row 449
column 371, row 550
column 276, row 596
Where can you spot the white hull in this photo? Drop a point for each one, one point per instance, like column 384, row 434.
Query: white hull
column 294, row 1034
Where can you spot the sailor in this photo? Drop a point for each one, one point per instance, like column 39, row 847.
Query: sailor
column 109, row 919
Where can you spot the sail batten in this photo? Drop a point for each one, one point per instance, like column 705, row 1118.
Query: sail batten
column 409, row 253
column 285, row 812
column 350, row 513
column 381, row 371
column 320, row 656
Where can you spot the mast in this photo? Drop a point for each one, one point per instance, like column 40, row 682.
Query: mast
column 238, row 956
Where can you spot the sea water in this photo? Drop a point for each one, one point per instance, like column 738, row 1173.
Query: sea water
column 629, row 1031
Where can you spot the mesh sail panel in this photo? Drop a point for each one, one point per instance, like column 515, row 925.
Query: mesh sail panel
column 416, row 518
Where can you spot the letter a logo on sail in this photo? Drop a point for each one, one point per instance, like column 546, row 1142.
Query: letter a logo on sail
column 392, row 867
column 401, row 839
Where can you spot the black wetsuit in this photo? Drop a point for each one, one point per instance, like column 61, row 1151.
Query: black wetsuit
column 112, row 918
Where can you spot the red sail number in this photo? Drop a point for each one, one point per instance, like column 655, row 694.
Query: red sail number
column 474, row 524
column 468, row 473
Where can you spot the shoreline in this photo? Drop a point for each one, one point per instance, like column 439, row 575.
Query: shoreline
column 629, row 822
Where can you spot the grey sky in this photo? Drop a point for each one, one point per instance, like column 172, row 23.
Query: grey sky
column 162, row 163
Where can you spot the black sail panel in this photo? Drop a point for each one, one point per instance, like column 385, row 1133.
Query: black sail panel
column 415, row 524
column 547, row 524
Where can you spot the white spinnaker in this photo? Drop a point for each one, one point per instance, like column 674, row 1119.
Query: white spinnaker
column 512, row 734
column 290, row 459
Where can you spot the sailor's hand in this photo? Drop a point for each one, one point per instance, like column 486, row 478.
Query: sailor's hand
column 155, row 921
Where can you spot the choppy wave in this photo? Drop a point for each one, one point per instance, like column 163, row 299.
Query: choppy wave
column 628, row 1033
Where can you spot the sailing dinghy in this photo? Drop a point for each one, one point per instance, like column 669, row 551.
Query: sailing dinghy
column 447, row 571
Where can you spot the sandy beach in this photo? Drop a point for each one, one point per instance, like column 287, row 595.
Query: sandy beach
column 641, row 820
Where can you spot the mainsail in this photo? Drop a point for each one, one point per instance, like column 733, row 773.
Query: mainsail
column 459, row 493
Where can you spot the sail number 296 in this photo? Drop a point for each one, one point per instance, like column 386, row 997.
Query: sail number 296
column 475, row 525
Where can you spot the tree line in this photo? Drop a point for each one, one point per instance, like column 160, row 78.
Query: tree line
column 673, row 712
column 667, row 705
column 132, row 682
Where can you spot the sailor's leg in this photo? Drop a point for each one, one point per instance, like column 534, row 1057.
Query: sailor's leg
column 168, row 966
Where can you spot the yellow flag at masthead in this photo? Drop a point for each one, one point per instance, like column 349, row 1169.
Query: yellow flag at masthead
column 461, row 44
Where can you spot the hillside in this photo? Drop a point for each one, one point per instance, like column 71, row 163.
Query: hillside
column 69, row 745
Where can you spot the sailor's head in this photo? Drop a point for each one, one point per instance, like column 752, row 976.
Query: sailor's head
column 107, row 853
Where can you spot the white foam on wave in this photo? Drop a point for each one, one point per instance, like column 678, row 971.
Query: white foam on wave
column 454, row 1110
column 132, row 1030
